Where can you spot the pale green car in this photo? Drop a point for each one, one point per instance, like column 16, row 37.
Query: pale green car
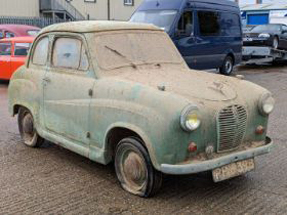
column 121, row 92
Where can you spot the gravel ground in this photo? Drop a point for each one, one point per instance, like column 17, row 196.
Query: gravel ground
column 52, row 180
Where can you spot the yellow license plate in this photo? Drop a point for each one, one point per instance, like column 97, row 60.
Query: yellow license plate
column 232, row 170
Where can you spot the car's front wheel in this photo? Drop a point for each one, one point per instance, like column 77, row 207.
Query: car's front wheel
column 227, row 67
column 275, row 43
column 27, row 129
column 135, row 170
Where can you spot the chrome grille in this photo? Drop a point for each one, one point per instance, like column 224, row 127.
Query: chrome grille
column 231, row 127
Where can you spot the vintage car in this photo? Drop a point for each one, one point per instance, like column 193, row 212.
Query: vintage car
column 12, row 30
column 121, row 92
column 13, row 54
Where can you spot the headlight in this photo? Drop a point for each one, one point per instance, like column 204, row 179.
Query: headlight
column 264, row 35
column 190, row 119
column 266, row 104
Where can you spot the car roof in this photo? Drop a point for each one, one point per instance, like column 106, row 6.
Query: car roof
column 18, row 29
column 19, row 39
column 97, row 26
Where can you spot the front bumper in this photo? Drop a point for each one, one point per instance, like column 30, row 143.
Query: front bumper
column 257, row 41
column 185, row 169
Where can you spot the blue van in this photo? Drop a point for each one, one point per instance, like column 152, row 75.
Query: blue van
column 207, row 33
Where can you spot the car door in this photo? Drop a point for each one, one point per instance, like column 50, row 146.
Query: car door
column 19, row 56
column 67, row 91
column 185, row 39
column 209, row 43
column 5, row 60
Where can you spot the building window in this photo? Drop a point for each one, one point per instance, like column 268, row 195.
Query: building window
column 129, row 2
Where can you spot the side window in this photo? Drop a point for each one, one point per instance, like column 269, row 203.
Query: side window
column 230, row 24
column 5, row 49
column 9, row 34
column 284, row 29
column 41, row 52
column 209, row 23
column 21, row 49
column 185, row 24
column 69, row 53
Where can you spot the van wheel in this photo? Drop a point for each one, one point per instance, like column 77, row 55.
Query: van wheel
column 227, row 67
column 27, row 129
column 135, row 170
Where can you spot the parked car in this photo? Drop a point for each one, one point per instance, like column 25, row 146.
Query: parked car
column 272, row 35
column 11, row 30
column 207, row 33
column 121, row 92
column 13, row 53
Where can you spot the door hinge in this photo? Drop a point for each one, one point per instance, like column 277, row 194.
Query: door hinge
column 88, row 135
column 90, row 92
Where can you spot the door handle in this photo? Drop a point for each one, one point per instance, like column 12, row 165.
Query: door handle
column 47, row 80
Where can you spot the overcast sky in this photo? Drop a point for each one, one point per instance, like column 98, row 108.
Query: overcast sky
column 264, row 1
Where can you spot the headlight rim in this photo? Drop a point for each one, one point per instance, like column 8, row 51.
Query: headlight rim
column 264, row 97
column 264, row 35
column 187, row 111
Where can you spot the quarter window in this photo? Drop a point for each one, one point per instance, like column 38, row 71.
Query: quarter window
column 5, row 48
column 41, row 52
column 21, row 49
column 70, row 53
column 209, row 23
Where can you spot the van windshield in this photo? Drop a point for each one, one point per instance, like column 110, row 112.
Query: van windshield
column 160, row 18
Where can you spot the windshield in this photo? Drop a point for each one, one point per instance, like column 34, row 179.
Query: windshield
column 266, row 28
column 160, row 18
column 131, row 49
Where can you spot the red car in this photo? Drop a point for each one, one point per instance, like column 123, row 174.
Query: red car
column 13, row 52
column 10, row 30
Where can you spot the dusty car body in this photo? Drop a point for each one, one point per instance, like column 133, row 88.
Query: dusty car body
column 13, row 54
column 130, row 98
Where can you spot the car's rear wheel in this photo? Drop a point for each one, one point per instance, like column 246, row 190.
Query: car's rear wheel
column 275, row 43
column 27, row 129
column 135, row 170
column 227, row 67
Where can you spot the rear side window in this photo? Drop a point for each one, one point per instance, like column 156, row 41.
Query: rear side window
column 209, row 23
column 5, row 48
column 41, row 52
column 21, row 49
column 230, row 24
column 70, row 53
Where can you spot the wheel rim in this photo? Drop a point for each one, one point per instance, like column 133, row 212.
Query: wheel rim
column 132, row 170
column 275, row 43
column 29, row 132
column 228, row 66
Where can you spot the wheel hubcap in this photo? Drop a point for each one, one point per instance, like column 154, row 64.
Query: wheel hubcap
column 134, row 170
column 228, row 66
column 28, row 128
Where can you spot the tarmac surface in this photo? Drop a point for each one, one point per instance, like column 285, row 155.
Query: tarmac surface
column 53, row 180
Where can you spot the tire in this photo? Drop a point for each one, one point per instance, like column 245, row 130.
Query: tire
column 275, row 43
column 27, row 129
column 134, row 169
column 227, row 67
